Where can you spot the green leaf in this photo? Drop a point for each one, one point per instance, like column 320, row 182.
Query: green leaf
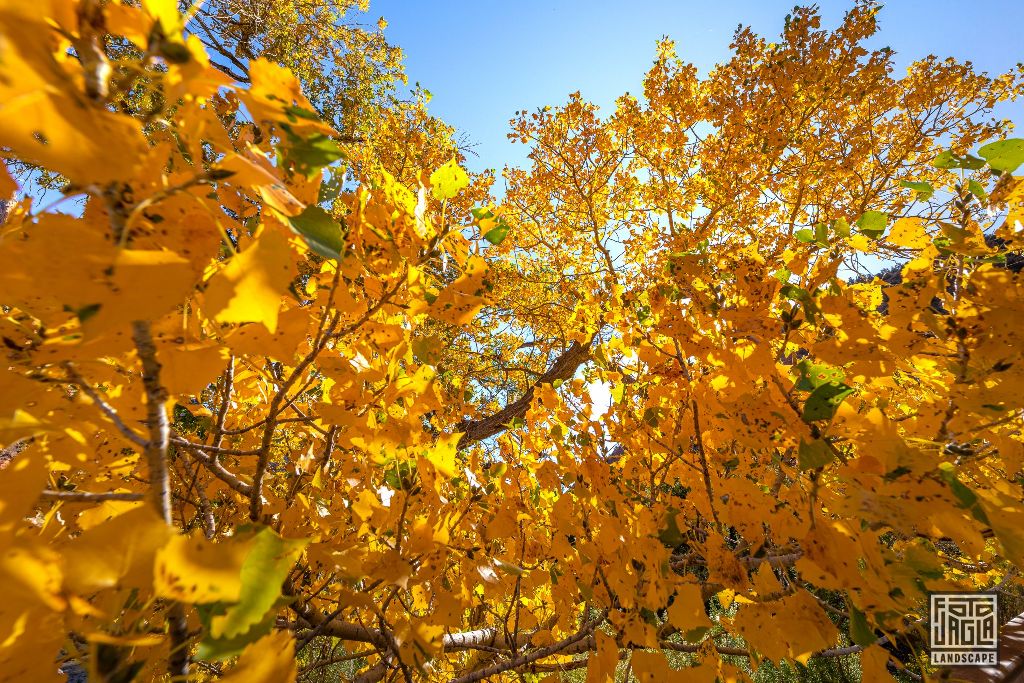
column 805, row 235
column 651, row 416
column 967, row 498
column 263, row 573
column 294, row 112
column 86, row 312
column 400, row 475
column 924, row 190
column 824, row 400
column 977, row 189
column 812, row 376
column 322, row 233
column 873, row 223
column 174, row 51
column 218, row 649
column 670, row 534
column 429, row 349
column 794, row 292
column 841, row 227
column 497, row 234
column 814, row 454
column 861, row 632
column 947, row 160
column 1005, row 155
column 308, row 155
column 821, row 234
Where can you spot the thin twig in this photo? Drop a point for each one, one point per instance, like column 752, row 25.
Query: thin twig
column 75, row 378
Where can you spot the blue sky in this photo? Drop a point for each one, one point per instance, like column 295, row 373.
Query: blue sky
column 484, row 60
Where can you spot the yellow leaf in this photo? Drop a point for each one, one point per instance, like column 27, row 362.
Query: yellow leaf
column 129, row 22
column 248, row 173
column 442, row 455
column 793, row 627
column 398, row 194
column 35, row 571
column 136, row 640
column 166, row 14
column 365, row 505
column 419, row 640
column 117, row 553
column 144, row 285
column 31, row 613
column 197, row 571
column 687, row 612
column 874, row 664
column 650, row 667
column 460, row 301
column 909, row 232
column 446, row 181
column 862, row 243
column 601, row 667
column 271, row 659
column 188, row 368
column 249, row 288
column 1007, row 521
column 383, row 335
column 280, row 345
column 276, row 94
column 108, row 509
column 45, row 117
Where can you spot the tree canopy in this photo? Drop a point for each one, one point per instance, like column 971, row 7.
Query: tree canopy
column 286, row 393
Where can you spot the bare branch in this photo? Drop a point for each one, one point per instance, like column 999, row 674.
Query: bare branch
column 527, row 658
column 227, row 386
column 156, row 416
column 159, row 478
column 75, row 378
column 218, row 470
column 564, row 367
column 704, row 463
column 87, row 497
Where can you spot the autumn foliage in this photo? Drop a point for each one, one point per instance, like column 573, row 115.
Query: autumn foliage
column 287, row 393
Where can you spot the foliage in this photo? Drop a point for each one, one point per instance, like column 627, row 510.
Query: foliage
column 288, row 392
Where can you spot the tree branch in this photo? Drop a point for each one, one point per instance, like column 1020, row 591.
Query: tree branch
column 159, row 480
column 85, row 497
column 227, row 386
column 155, row 449
column 277, row 406
column 218, row 470
column 530, row 657
column 704, row 463
column 563, row 368
column 75, row 378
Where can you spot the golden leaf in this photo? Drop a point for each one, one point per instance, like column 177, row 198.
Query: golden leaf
column 249, row 288
column 271, row 659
